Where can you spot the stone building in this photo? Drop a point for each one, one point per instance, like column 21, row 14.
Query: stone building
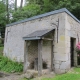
column 44, row 41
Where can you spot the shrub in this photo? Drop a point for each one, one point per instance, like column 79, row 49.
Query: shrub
column 78, row 52
column 8, row 65
column 78, row 48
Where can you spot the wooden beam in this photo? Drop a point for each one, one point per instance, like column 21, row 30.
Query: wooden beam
column 47, row 39
column 39, row 57
column 52, row 55
column 25, row 56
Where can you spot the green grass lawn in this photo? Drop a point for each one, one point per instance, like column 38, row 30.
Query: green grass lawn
column 68, row 76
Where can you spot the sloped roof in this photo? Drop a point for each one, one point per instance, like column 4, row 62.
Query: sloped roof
column 37, row 34
column 44, row 15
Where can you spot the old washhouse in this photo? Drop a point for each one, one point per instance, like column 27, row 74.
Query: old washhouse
column 48, row 39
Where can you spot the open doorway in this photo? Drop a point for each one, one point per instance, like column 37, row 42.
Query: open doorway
column 72, row 48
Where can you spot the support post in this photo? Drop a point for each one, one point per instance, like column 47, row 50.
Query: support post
column 39, row 57
column 52, row 55
column 25, row 56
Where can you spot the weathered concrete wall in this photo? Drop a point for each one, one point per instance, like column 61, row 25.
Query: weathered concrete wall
column 59, row 48
column 14, row 43
column 33, row 53
column 72, row 30
column 46, row 53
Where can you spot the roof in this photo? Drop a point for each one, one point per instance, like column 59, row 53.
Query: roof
column 44, row 15
column 37, row 34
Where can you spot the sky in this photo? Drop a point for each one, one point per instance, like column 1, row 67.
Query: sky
column 18, row 2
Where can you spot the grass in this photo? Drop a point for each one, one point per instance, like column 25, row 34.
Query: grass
column 68, row 76
column 1, row 47
column 77, row 69
column 8, row 65
column 1, row 50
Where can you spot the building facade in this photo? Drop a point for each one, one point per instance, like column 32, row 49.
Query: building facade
column 65, row 34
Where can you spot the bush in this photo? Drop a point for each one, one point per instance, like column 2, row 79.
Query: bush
column 1, row 45
column 8, row 65
column 78, row 48
column 78, row 52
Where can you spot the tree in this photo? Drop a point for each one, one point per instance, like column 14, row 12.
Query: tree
column 2, row 18
column 2, row 7
column 7, row 9
column 21, row 4
column 26, row 12
column 72, row 5
column 48, row 5
column 15, row 5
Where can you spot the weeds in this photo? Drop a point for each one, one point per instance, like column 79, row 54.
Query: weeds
column 8, row 65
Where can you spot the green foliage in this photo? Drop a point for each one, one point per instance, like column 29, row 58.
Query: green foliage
column 8, row 65
column 49, row 5
column 1, row 45
column 2, row 7
column 77, row 69
column 32, row 9
column 1, row 50
column 26, row 12
column 71, row 5
column 2, row 23
column 2, row 18
column 40, row 2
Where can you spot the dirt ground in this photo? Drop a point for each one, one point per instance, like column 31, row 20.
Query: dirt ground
column 13, row 76
column 19, row 76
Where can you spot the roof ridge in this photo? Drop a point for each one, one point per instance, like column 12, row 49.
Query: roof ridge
column 43, row 15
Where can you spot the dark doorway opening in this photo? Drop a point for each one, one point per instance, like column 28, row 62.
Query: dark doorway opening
column 73, row 40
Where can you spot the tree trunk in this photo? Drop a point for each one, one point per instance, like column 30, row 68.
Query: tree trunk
column 7, row 11
column 21, row 4
column 15, row 5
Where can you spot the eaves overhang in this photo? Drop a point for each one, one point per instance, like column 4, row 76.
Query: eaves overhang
column 44, row 15
column 38, row 34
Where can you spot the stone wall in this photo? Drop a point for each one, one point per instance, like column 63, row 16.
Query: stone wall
column 72, row 29
column 14, row 43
